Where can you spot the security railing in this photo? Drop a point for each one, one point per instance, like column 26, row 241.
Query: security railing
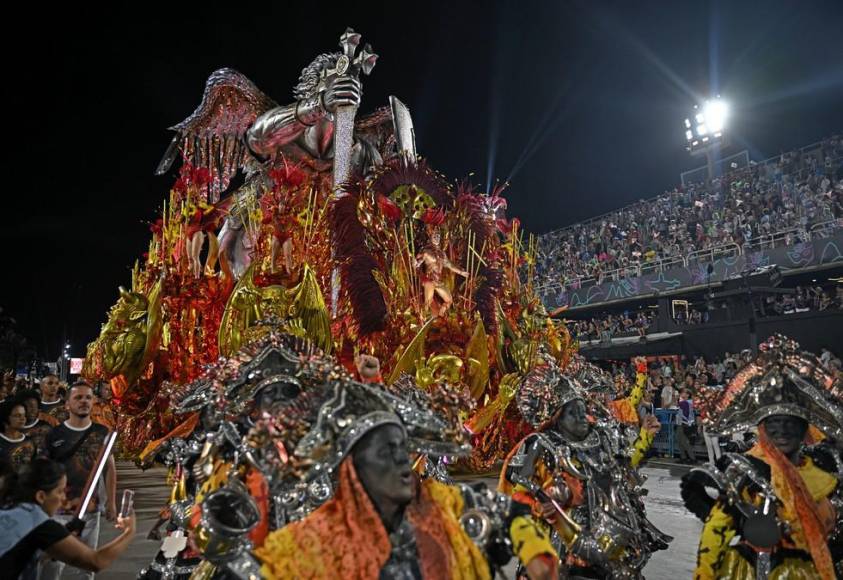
column 765, row 242
column 778, row 239
column 826, row 229
column 714, row 252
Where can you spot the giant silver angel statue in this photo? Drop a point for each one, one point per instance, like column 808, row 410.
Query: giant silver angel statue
column 237, row 127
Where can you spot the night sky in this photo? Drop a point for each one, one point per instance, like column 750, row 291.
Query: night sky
column 580, row 104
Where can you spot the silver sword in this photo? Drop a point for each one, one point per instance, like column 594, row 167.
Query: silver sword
column 350, row 65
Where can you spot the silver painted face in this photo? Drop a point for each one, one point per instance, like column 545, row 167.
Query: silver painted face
column 573, row 422
column 786, row 432
column 383, row 465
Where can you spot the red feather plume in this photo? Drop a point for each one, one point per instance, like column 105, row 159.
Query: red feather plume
column 356, row 263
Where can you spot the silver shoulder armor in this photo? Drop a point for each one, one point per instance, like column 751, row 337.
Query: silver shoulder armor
column 533, row 447
column 485, row 512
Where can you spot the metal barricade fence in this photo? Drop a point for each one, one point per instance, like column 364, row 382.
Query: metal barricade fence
column 665, row 441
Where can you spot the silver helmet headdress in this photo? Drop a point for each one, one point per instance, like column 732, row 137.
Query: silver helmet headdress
column 782, row 380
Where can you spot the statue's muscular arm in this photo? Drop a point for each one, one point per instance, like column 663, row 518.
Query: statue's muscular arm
column 283, row 125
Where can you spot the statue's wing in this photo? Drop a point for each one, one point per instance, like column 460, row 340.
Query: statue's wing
column 213, row 136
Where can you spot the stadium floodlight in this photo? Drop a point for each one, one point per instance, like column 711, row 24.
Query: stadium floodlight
column 715, row 113
column 704, row 129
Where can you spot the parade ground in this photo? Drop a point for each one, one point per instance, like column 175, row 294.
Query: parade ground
column 664, row 508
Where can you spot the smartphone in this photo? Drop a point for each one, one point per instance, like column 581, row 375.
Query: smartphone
column 127, row 506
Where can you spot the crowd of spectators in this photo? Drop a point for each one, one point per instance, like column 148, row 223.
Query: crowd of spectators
column 670, row 374
column 795, row 193
column 691, row 316
column 51, row 439
column 804, row 299
column 613, row 325
column 629, row 323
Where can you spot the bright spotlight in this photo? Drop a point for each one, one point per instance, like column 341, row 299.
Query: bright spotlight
column 705, row 126
column 715, row 113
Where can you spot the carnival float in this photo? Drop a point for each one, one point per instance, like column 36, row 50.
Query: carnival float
column 331, row 223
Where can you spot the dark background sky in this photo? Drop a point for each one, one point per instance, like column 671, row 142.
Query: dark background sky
column 579, row 103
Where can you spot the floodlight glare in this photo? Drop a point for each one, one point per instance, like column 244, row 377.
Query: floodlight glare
column 715, row 113
column 705, row 127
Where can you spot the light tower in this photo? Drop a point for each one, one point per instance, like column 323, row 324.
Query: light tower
column 704, row 130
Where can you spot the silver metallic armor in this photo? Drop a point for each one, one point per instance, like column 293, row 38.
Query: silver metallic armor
column 297, row 499
column 307, row 124
column 609, row 530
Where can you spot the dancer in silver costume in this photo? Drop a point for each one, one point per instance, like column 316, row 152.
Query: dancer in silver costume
column 579, row 474
column 778, row 512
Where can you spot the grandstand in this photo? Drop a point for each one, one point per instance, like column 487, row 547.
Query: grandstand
column 752, row 252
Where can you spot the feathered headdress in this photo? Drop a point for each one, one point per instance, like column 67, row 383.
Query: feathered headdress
column 357, row 265
column 411, row 183
column 433, row 217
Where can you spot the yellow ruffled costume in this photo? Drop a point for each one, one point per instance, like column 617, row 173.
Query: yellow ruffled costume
column 718, row 559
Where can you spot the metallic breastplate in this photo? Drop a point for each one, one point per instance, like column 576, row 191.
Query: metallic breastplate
column 607, row 511
column 298, row 500
column 403, row 563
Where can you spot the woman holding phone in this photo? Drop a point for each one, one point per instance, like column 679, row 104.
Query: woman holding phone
column 28, row 499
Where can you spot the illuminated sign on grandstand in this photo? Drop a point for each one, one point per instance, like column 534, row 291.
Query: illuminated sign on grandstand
column 705, row 127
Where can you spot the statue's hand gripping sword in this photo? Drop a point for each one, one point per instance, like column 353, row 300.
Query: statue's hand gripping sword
column 350, row 63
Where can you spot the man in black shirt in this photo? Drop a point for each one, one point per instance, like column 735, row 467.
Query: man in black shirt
column 38, row 425
column 51, row 403
column 77, row 444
